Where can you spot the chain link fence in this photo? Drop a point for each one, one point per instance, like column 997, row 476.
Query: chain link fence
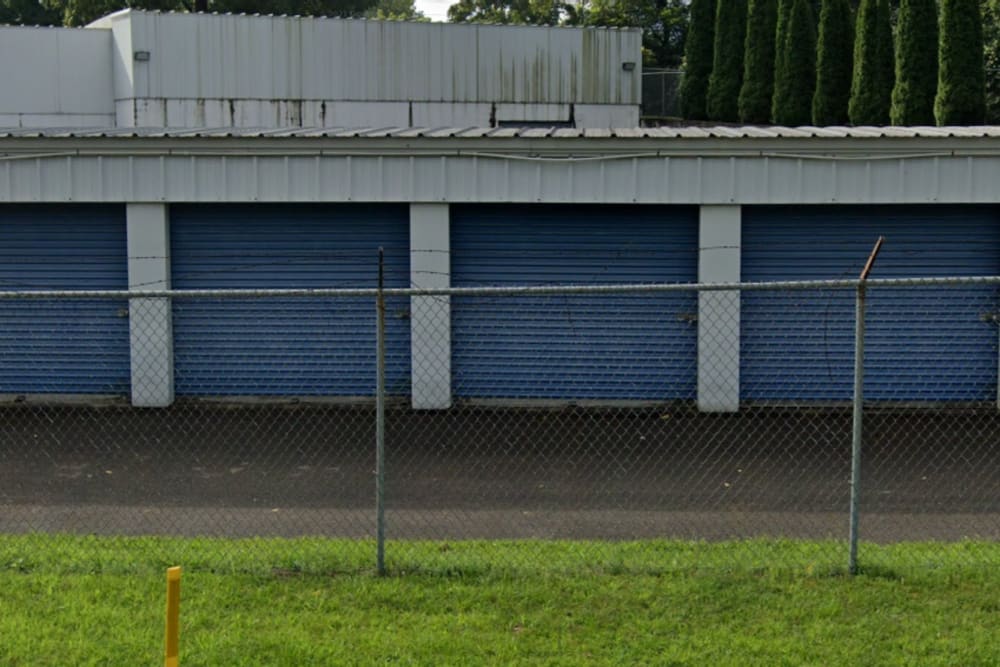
column 661, row 93
column 534, row 428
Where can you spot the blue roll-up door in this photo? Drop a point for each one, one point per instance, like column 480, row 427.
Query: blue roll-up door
column 574, row 347
column 292, row 346
column 921, row 344
column 63, row 346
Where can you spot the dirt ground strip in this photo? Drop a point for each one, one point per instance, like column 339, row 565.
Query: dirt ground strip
column 471, row 472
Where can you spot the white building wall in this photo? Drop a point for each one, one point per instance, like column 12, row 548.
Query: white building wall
column 199, row 56
column 53, row 77
column 310, row 171
column 267, row 71
column 149, row 69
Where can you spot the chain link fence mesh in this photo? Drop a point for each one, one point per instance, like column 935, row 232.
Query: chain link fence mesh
column 661, row 93
column 547, row 429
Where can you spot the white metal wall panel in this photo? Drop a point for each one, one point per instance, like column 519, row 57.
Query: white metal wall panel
column 55, row 71
column 198, row 56
column 436, row 170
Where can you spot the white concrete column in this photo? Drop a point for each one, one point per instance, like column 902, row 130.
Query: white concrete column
column 720, row 231
column 150, row 324
column 430, row 317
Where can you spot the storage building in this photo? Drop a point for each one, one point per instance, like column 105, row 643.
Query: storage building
column 151, row 209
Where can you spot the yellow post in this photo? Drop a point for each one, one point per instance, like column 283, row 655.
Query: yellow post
column 173, row 616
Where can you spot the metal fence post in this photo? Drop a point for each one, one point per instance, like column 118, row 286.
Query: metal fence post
column 380, row 419
column 858, row 411
column 859, row 382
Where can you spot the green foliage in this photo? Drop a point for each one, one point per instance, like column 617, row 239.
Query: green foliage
column 28, row 12
column 344, row 8
column 961, row 81
column 834, row 55
column 82, row 12
column 874, row 67
column 916, row 64
column 800, row 66
column 991, row 58
column 780, row 98
column 535, row 12
column 726, row 79
column 396, row 10
column 698, row 55
column 664, row 23
column 758, row 62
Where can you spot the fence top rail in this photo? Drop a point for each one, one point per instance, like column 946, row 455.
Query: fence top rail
column 510, row 290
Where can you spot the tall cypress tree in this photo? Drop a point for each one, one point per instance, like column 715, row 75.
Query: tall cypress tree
column 874, row 69
column 698, row 55
column 991, row 59
column 916, row 64
column 834, row 59
column 727, row 65
column 961, row 83
column 758, row 62
column 781, row 57
column 800, row 68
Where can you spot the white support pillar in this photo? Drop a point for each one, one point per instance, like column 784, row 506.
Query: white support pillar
column 150, row 324
column 720, row 231
column 430, row 317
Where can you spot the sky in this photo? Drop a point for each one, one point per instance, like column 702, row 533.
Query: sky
column 436, row 10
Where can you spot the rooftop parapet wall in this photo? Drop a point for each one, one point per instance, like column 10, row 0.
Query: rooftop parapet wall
column 209, row 56
column 55, row 77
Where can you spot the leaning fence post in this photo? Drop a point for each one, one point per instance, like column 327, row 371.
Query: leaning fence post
column 380, row 418
column 858, row 413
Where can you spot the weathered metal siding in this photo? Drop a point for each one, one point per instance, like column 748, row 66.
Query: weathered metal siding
column 294, row 176
column 52, row 77
column 291, row 58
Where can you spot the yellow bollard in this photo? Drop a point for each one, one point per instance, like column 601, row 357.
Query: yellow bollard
column 173, row 616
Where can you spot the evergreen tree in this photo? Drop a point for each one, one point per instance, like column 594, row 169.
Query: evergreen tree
column 727, row 64
column 916, row 64
column 698, row 55
column 961, row 85
column 991, row 59
column 800, row 67
column 874, row 69
column 781, row 57
column 758, row 62
column 834, row 56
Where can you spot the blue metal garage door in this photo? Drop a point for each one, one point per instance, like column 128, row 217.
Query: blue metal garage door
column 574, row 347
column 72, row 347
column 294, row 347
column 921, row 344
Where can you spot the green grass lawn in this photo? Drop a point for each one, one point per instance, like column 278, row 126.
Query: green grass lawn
column 80, row 601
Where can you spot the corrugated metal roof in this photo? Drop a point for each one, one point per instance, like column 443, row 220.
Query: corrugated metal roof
column 750, row 132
